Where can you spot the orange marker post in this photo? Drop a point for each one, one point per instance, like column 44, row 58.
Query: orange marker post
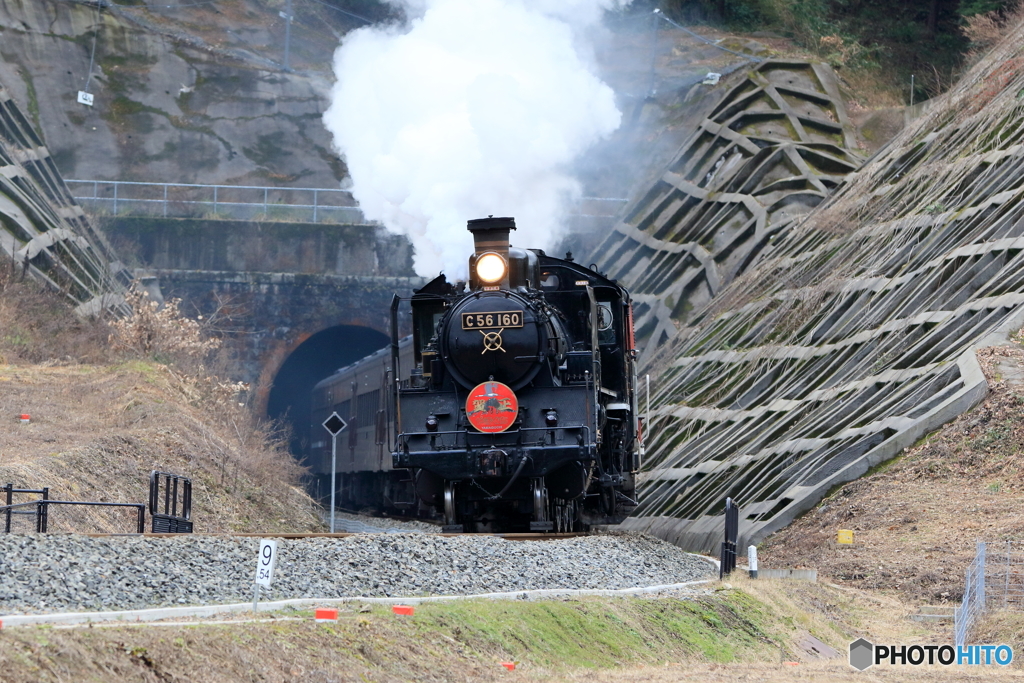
column 403, row 609
column 511, row 666
column 26, row 418
column 326, row 614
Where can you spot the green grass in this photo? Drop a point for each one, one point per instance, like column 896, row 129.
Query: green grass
column 602, row 633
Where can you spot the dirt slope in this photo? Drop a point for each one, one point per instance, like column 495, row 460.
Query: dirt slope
column 98, row 431
column 917, row 518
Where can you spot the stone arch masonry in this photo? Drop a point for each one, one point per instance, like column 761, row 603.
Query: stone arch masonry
column 848, row 337
column 270, row 284
column 42, row 228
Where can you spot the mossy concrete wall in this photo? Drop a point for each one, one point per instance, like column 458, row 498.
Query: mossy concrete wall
column 268, row 285
column 168, row 105
column 261, row 246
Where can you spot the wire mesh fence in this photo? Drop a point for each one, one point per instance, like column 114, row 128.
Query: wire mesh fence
column 995, row 581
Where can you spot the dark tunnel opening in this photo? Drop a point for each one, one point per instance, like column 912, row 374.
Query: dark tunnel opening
column 314, row 360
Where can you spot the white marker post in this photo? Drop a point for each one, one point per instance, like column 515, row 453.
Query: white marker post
column 334, row 424
column 752, row 561
column 264, row 569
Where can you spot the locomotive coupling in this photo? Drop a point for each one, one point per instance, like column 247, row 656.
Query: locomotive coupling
column 492, row 462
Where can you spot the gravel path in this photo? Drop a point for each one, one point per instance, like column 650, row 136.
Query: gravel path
column 56, row 573
column 363, row 524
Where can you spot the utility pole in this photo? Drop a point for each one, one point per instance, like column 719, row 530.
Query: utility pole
column 287, row 16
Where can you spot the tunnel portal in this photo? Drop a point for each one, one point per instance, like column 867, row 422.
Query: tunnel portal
column 313, row 360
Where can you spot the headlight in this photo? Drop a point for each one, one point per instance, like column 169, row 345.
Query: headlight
column 490, row 268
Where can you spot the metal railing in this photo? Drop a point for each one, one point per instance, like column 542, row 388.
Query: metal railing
column 42, row 513
column 237, row 202
column 18, row 519
column 175, row 515
column 253, row 202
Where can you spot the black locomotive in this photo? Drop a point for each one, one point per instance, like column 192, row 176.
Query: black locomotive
column 515, row 406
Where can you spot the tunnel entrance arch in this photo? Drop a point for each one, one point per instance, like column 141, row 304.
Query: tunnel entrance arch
column 313, row 360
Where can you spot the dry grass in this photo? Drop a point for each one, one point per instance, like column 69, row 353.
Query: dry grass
column 36, row 324
column 467, row 641
column 986, row 30
column 105, row 414
column 98, row 431
column 776, row 672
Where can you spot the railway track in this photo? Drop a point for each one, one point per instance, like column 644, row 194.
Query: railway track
column 288, row 535
column 59, row 573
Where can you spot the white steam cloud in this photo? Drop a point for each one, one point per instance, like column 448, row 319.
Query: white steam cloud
column 476, row 108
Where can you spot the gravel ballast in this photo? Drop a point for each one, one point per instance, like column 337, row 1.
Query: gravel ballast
column 57, row 573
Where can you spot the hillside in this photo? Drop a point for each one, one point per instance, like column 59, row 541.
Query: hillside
column 850, row 333
column 193, row 94
column 916, row 518
column 103, row 418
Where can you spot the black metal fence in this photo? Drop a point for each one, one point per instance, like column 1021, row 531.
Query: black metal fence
column 175, row 517
column 26, row 517
column 170, row 504
column 39, row 511
column 732, row 529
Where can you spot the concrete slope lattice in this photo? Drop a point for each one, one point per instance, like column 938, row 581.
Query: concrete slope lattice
column 775, row 147
column 42, row 228
column 855, row 337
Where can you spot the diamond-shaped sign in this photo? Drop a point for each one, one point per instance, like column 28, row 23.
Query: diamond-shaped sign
column 334, row 424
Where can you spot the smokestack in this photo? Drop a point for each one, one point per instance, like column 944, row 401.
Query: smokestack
column 491, row 234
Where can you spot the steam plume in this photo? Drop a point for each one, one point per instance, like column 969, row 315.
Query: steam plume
column 475, row 108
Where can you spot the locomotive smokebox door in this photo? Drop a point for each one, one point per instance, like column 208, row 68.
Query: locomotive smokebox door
column 493, row 335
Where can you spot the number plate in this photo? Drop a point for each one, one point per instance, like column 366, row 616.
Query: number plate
column 494, row 319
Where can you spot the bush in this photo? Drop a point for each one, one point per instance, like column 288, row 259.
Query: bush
column 161, row 332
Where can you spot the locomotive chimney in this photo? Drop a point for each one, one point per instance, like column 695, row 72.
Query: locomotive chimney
column 491, row 234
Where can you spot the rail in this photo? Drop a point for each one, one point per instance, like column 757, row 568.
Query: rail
column 252, row 202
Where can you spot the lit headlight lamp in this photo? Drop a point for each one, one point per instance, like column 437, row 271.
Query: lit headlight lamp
column 491, row 268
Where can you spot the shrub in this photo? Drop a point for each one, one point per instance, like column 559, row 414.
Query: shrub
column 161, row 332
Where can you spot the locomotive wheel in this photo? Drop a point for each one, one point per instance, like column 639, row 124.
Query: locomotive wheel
column 564, row 514
column 449, row 503
column 540, row 500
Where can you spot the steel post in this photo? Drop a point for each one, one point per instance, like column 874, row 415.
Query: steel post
column 288, row 36
column 334, row 474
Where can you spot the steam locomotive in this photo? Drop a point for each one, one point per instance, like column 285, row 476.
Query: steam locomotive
column 511, row 407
